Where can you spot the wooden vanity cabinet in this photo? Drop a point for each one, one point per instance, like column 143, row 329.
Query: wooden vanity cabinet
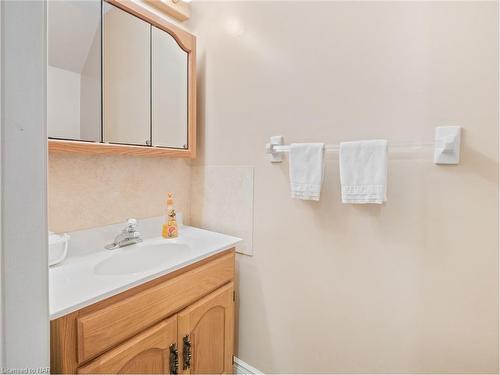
column 184, row 318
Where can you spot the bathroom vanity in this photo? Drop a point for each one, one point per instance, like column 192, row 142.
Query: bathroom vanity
column 161, row 306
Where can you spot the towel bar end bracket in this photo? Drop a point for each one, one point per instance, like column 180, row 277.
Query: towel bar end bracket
column 277, row 140
column 447, row 145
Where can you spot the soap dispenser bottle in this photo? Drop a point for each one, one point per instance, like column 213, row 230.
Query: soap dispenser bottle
column 169, row 229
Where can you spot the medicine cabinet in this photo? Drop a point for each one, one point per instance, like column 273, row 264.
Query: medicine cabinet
column 120, row 79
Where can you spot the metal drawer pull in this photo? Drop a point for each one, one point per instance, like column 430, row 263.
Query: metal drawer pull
column 174, row 359
column 186, row 352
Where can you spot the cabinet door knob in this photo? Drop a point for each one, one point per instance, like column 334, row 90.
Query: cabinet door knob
column 174, row 359
column 186, row 352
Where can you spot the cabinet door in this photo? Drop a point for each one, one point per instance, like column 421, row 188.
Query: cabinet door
column 206, row 330
column 146, row 353
column 169, row 91
column 127, row 77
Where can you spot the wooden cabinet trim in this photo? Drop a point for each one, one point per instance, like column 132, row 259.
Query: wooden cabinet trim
column 57, row 145
column 177, row 9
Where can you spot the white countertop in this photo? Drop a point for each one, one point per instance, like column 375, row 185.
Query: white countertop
column 84, row 279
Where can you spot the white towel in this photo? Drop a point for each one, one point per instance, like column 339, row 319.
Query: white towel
column 306, row 170
column 363, row 171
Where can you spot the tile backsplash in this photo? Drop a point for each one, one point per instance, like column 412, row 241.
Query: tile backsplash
column 86, row 191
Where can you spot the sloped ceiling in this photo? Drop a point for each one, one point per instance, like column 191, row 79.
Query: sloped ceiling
column 72, row 26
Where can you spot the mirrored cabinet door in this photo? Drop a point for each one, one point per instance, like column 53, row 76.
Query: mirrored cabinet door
column 169, row 64
column 126, row 79
column 74, row 70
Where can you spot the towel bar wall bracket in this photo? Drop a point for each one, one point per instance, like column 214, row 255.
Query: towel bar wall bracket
column 276, row 156
column 446, row 146
column 447, row 141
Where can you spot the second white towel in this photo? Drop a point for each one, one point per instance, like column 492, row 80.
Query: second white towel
column 306, row 170
column 363, row 171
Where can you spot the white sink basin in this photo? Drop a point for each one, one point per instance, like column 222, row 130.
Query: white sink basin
column 140, row 258
column 88, row 277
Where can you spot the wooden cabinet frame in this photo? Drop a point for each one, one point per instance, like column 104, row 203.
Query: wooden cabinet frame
column 187, row 42
column 82, row 339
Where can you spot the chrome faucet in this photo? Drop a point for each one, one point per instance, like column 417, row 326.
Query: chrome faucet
column 128, row 236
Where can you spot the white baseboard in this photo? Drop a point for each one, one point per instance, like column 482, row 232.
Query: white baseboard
column 243, row 368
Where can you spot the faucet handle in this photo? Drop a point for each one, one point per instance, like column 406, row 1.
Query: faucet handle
column 131, row 224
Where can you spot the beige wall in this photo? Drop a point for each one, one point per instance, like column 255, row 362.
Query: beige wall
column 408, row 287
column 89, row 191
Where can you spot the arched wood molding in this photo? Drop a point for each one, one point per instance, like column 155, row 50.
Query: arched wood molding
column 185, row 40
column 178, row 9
